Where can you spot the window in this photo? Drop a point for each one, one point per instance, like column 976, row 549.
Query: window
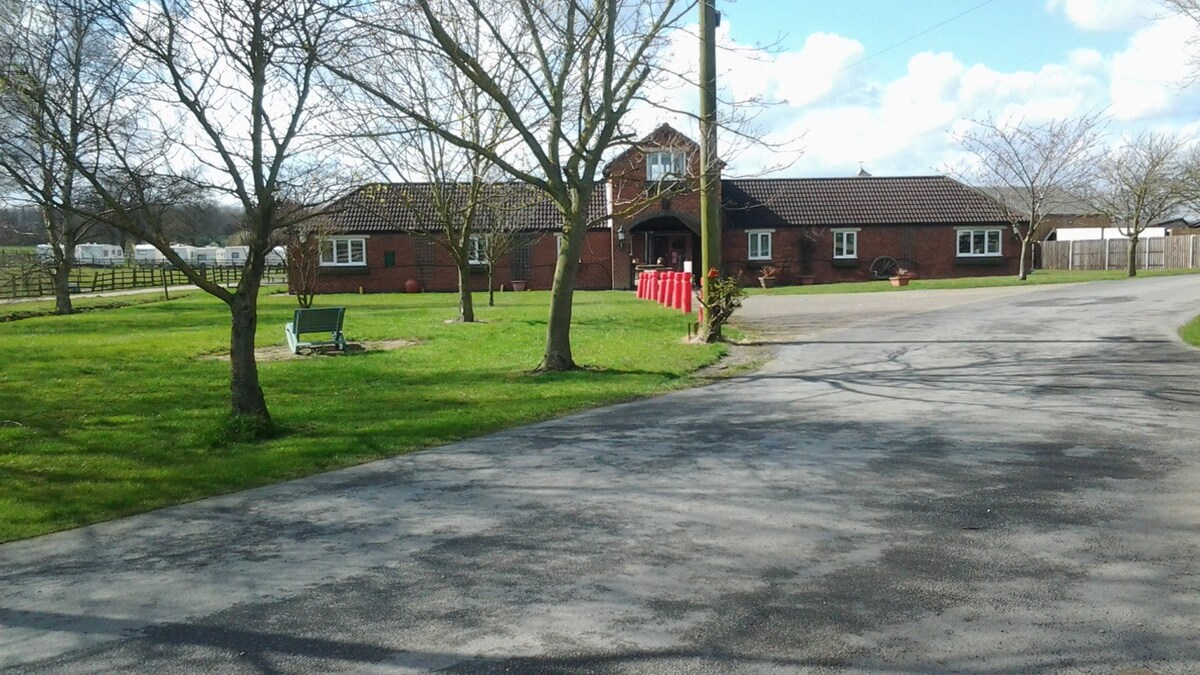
column 760, row 245
column 978, row 242
column 664, row 165
column 476, row 250
column 845, row 243
column 343, row 251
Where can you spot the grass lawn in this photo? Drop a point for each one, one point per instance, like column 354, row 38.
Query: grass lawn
column 115, row 412
column 1038, row 277
column 1191, row 332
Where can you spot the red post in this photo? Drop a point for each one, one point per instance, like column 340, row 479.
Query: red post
column 651, row 280
column 641, row 284
column 687, row 293
column 663, row 285
column 680, row 291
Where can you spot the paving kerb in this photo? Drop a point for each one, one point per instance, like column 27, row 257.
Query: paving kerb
column 967, row 489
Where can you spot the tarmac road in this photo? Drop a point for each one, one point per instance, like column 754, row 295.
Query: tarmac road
column 993, row 482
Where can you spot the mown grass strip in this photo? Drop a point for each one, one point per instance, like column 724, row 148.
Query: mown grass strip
column 1191, row 332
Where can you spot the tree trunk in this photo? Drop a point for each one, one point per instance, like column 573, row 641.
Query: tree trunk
column 491, row 285
column 247, row 394
column 1023, row 269
column 466, row 306
column 558, row 331
column 61, row 276
column 1131, row 261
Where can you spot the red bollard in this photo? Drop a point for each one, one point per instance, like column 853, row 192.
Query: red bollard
column 687, row 293
column 661, row 296
column 672, row 289
column 641, row 284
column 651, row 280
column 680, row 291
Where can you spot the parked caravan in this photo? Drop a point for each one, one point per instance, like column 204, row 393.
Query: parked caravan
column 147, row 254
column 233, row 256
column 184, row 251
column 105, row 255
column 277, row 256
column 206, row 255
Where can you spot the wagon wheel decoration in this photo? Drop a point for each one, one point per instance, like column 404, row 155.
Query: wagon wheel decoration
column 884, row 267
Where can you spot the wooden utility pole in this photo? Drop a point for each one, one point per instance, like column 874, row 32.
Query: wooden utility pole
column 710, row 170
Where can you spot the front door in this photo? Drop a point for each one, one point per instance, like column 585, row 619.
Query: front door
column 672, row 250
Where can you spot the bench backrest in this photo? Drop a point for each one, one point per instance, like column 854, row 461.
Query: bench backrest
column 319, row 320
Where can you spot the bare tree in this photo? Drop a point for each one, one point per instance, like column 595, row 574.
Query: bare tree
column 303, row 246
column 577, row 68
column 1140, row 183
column 504, row 228
column 241, row 76
column 56, row 68
column 455, row 181
column 1032, row 170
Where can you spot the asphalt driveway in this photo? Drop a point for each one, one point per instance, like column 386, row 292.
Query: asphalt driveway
column 994, row 482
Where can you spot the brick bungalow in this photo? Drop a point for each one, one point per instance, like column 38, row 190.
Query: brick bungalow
column 812, row 230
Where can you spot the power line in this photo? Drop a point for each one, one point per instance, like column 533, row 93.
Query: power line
column 913, row 37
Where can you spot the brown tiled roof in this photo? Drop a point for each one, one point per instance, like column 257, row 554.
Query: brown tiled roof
column 409, row 207
column 832, row 202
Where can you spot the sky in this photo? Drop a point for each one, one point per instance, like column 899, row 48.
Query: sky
column 888, row 83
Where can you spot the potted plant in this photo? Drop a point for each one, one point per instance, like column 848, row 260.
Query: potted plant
column 768, row 276
column 518, row 284
column 903, row 276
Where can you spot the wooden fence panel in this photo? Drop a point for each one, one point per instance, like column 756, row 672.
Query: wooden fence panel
column 1178, row 252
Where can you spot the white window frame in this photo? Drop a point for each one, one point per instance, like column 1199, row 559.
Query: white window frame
column 337, row 244
column 666, row 165
column 761, row 235
column 983, row 232
column 847, row 236
column 475, row 250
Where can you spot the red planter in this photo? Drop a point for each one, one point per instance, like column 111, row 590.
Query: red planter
column 412, row 286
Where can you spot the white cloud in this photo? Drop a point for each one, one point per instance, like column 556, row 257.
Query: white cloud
column 905, row 125
column 1100, row 15
column 1147, row 76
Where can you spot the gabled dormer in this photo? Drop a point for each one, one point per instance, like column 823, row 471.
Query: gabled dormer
column 664, row 155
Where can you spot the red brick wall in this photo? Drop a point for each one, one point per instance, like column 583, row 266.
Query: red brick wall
column 933, row 250
column 595, row 272
column 634, row 201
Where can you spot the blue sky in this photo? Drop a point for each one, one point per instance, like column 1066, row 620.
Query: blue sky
column 889, row 83
column 1005, row 34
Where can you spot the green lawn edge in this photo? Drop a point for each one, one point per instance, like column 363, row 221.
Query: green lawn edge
column 1190, row 332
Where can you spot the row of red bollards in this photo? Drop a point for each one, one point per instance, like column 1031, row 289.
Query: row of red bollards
column 669, row 289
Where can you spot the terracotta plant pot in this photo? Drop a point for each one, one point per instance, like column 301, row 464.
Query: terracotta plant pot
column 518, row 285
column 899, row 281
column 412, row 286
column 768, row 282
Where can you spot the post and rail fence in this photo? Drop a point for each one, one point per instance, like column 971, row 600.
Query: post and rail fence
column 25, row 277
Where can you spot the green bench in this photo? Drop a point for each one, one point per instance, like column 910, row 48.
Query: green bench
column 325, row 320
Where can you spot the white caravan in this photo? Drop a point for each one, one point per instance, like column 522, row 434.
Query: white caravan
column 106, row 255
